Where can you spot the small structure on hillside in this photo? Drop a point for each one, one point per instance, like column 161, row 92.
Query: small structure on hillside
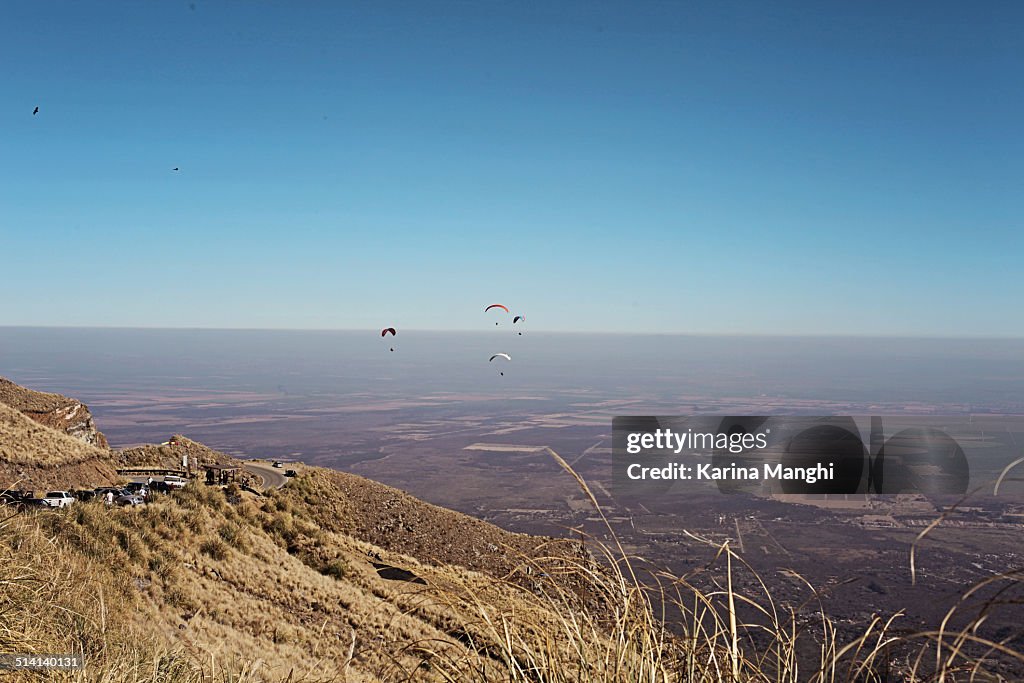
column 220, row 475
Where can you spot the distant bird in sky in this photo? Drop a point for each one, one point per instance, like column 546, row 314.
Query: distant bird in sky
column 35, row 111
column 175, row 169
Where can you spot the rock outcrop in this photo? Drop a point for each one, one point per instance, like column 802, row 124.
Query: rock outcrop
column 37, row 457
column 170, row 455
column 55, row 411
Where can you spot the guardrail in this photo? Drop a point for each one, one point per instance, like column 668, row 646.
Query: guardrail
column 150, row 471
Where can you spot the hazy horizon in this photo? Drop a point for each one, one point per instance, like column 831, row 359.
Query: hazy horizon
column 555, row 332
column 270, row 377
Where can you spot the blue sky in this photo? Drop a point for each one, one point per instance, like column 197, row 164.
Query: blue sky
column 662, row 167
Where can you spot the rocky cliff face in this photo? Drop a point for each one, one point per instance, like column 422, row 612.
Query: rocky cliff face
column 53, row 410
column 75, row 420
column 37, row 457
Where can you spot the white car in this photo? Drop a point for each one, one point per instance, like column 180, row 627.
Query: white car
column 175, row 482
column 57, row 499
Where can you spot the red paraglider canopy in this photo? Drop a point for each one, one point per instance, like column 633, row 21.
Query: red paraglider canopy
column 501, row 306
column 385, row 331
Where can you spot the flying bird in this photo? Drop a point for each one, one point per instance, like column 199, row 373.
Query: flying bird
column 35, row 111
column 175, row 169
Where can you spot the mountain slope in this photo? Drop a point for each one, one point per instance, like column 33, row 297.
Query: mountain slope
column 34, row 456
column 170, row 455
column 394, row 520
column 332, row 577
column 252, row 584
column 337, row 578
column 53, row 410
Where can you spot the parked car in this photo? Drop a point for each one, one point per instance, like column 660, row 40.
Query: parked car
column 160, row 487
column 129, row 499
column 291, row 473
column 278, row 464
column 174, row 481
column 138, row 488
column 84, row 494
column 112, row 491
column 19, row 499
column 57, row 499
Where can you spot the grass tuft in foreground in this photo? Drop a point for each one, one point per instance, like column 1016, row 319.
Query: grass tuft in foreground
column 175, row 590
column 629, row 622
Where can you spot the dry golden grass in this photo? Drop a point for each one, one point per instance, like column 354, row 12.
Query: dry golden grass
column 250, row 582
column 169, row 456
column 24, row 441
column 194, row 587
column 34, row 456
column 24, row 399
column 53, row 410
column 394, row 520
column 54, row 601
column 628, row 640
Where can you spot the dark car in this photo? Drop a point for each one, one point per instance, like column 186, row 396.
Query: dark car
column 84, row 494
column 18, row 498
column 138, row 488
column 291, row 473
column 159, row 487
column 28, row 499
